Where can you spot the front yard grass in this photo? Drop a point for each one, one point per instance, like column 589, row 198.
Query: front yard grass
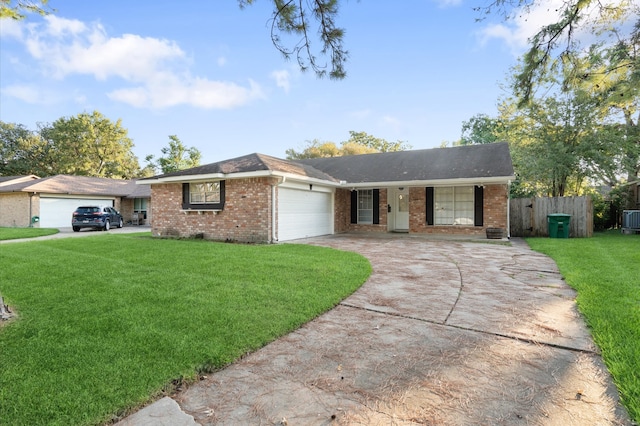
column 16, row 233
column 605, row 271
column 106, row 324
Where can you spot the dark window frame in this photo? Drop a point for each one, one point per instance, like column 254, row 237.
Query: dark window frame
column 188, row 205
column 376, row 207
column 478, row 210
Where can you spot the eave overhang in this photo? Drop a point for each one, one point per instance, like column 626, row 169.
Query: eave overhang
column 342, row 184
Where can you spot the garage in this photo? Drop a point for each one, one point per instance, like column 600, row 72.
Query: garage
column 304, row 213
column 56, row 212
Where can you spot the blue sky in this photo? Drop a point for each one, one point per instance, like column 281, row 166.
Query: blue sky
column 207, row 72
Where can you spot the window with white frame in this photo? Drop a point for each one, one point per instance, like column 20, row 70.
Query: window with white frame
column 365, row 206
column 454, row 205
column 204, row 193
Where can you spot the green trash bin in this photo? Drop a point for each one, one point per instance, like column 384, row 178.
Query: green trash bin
column 559, row 225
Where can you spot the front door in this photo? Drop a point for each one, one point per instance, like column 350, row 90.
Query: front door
column 401, row 208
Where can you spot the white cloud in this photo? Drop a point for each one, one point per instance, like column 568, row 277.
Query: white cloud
column 157, row 69
column 283, row 79
column 167, row 91
column 222, row 61
column 448, row 3
column 30, row 94
column 10, row 28
column 60, row 27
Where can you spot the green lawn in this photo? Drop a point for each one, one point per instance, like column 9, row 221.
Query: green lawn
column 605, row 271
column 15, row 233
column 106, row 324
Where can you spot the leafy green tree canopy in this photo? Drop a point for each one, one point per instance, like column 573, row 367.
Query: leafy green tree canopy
column 91, row 145
column 481, row 129
column 176, row 156
column 22, row 151
column 554, row 46
column 358, row 143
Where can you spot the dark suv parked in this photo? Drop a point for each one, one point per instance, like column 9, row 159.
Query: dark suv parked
column 96, row 217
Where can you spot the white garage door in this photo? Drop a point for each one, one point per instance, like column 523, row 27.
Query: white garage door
column 304, row 213
column 56, row 212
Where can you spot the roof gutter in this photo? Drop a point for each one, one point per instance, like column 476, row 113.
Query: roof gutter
column 434, row 182
column 242, row 175
column 340, row 184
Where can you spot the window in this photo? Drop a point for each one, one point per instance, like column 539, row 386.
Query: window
column 203, row 195
column 140, row 206
column 454, row 205
column 365, row 206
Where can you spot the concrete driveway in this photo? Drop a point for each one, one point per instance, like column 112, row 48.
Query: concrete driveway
column 443, row 332
column 68, row 233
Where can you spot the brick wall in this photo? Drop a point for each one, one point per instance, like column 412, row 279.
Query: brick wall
column 342, row 213
column 246, row 216
column 342, row 218
column 14, row 209
column 495, row 213
column 495, row 206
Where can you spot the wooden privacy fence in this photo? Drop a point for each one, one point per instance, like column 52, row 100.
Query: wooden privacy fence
column 529, row 215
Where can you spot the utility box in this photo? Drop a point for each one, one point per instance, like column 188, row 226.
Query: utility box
column 630, row 221
column 559, row 225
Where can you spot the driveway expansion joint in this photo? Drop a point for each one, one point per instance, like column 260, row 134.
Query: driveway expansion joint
column 475, row 330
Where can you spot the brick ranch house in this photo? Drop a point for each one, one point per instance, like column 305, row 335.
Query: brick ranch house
column 257, row 198
column 53, row 199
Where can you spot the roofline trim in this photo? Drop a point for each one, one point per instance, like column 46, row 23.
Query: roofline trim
column 241, row 175
column 434, row 182
column 341, row 184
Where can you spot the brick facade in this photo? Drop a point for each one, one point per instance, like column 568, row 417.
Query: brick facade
column 342, row 221
column 246, row 217
column 15, row 211
column 494, row 204
column 494, row 207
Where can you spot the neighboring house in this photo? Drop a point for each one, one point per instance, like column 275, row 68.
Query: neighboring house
column 10, row 180
column 49, row 202
column 258, row 198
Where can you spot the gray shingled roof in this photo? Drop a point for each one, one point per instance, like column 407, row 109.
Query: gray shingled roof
column 81, row 185
column 7, row 180
column 463, row 162
column 251, row 163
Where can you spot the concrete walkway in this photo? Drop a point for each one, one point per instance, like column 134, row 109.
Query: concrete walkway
column 443, row 332
column 68, row 233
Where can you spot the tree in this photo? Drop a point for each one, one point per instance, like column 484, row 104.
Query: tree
column 298, row 18
column 176, row 157
column 553, row 46
column 481, row 129
column 16, row 9
column 378, row 144
column 358, row 143
column 22, row 151
column 90, row 145
column 558, row 143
